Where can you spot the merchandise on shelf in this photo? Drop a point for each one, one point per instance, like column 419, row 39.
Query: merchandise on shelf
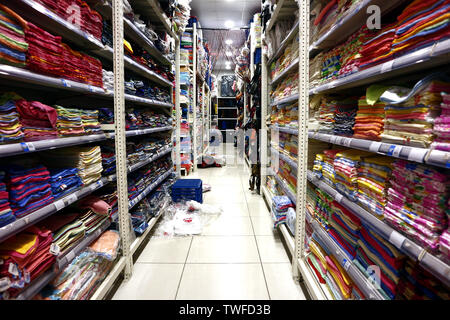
column 64, row 181
column 441, row 128
column 10, row 125
column 6, row 214
column 285, row 60
column 285, row 115
column 280, row 207
column 370, row 118
column 25, row 257
column 12, row 38
column 288, row 87
column 37, row 119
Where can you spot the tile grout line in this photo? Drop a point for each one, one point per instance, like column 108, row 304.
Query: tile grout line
column 256, row 242
column 184, row 267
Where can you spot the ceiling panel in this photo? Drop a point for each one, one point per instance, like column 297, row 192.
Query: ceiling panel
column 212, row 14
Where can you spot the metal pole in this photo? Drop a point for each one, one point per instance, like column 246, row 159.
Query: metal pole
column 194, row 87
column 177, row 107
column 303, row 113
column 263, row 141
column 120, row 141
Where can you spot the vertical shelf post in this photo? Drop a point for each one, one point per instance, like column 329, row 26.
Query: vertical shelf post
column 194, row 94
column 303, row 113
column 120, row 141
column 177, row 106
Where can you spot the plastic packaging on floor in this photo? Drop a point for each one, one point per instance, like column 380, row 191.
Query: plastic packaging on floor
column 187, row 218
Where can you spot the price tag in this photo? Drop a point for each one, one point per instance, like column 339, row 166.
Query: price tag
column 347, row 142
column 374, row 146
column 70, row 256
column 347, row 264
column 394, row 151
column 338, row 197
column 26, row 276
column 12, row 269
column 28, row 146
column 396, row 239
column 54, row 249
column 59, row 204
column 417, row 154
column 65, row 83
column 387, row 66
column 5, row 283
column 90, row 88
column 99, row 183
column 71, row 199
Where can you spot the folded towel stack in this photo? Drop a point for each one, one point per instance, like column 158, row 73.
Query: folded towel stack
column 369, row 120
column 374, row 174
column 64, row 181
column 344, row 116
column 6, row 214
column 418, row 202
column 327, row 111
column 10, row 126
column 69, row 122
column 13, row 45
column 38, row 120
column 280, row 206
column 90, row 121
column 441, row 128
column 328, row 172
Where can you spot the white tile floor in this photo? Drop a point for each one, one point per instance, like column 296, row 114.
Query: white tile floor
column 238, row 256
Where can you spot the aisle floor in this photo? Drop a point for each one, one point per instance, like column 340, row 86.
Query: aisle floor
column 238, row 256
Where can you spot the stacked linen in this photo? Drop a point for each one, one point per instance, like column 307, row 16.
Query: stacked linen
column 25, row 257
column 87, row 160
column 335, row 277
column 90, row 121
column 64, row 181
column 108, row 80
column 10, row 126
column 346, row 164
column 38, row 120
column 419, row 284
column 444, row 243
column 69, row 122
column 280, row 206
column 418, row 202
column 372, row 251
column 6, row 214
column 343, row 228
column 441, row 128
column 66, row 228
column 45, row 52
column 327, row 111
column 108, row 158
column 420, row 24
column 318, row 165
column 373, row 183
column 29, row 188
column 322, row 209
column 369, row 120
column 106, row 116
column 344, row 116
column 378, row 49
column 13, row 46
column 80, row 67
column 331, row 64
column 328, row 172
column 409, row 119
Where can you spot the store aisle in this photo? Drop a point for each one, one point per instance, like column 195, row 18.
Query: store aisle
column 238, row 256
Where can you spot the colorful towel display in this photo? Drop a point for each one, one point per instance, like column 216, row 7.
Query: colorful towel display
column 87, row 160
column 369, row 120
column 25, row 257
column 13, row 45
column 10, row 125
column 441, row 129
column 6, row 214
column 280, row 206
column 418, row 202
column 69, row 122
column 29, row 188
column 64, row 181
column 37, row 119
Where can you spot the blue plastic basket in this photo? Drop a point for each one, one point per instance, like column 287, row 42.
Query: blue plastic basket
column 187, row 189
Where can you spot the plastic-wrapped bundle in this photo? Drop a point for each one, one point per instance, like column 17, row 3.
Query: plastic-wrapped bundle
column 280, row 206
column 441, row 128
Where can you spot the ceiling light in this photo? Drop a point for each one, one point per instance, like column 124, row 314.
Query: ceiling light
column 228, row 53
column 228, row 67
column 229, row 24
column 229, row 41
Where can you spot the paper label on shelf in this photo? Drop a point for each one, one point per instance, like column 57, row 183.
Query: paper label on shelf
column 12, row 269
column 65, row 83
column 338, row 197
column 70, row 256
column 374, row 146
column 59, row 204
column 396, row 239
column 99, row 183
column 394, row 151
column 5, row 283
column 347, row 264
column 90, row 88
column 71, row 199
column 54, row 249
column 28, row 146
column 417, row 154
column 387, row 66
column 347, row 142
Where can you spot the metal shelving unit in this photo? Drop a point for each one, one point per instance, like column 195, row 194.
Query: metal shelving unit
column 49, row 21
column 436, row 54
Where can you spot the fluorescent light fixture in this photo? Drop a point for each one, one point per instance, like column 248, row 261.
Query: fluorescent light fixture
column 228, row 53
column 228, row 67
column 229, row 41
column 229, row 24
